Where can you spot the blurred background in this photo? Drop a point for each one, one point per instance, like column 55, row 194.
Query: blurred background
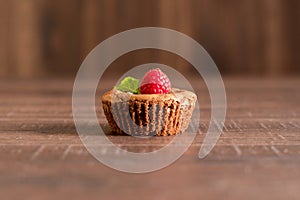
column 50, row 38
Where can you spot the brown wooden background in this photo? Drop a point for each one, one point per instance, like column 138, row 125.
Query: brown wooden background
column 245, row 37
column 258, row 153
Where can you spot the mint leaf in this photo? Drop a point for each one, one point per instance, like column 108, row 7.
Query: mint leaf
column 129, row 84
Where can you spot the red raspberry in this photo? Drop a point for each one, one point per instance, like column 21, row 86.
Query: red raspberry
column 155, row 82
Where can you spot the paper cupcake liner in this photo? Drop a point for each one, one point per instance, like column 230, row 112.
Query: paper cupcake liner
column 145, row 118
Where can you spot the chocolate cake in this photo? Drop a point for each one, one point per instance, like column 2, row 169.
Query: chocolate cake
column 149, row 114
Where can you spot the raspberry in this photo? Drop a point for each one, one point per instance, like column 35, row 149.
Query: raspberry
column 155, row 82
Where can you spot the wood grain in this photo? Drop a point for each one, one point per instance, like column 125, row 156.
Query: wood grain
column 256, row 157
column 51, row 38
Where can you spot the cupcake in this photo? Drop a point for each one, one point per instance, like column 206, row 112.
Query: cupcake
column 151, row 107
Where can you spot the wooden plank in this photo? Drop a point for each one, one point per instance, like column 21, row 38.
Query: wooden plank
column 257, row 155
column 25, row 52
column 4, row 19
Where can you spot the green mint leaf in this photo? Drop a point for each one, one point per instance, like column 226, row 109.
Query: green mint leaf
column 129, row 84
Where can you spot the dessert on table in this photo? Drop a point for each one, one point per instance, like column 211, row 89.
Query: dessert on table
column 148, row 107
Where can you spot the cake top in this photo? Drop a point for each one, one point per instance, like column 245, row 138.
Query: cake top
column 155, row 86
column 183, row 96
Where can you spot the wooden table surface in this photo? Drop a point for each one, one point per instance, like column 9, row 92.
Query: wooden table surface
column 256, row 157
